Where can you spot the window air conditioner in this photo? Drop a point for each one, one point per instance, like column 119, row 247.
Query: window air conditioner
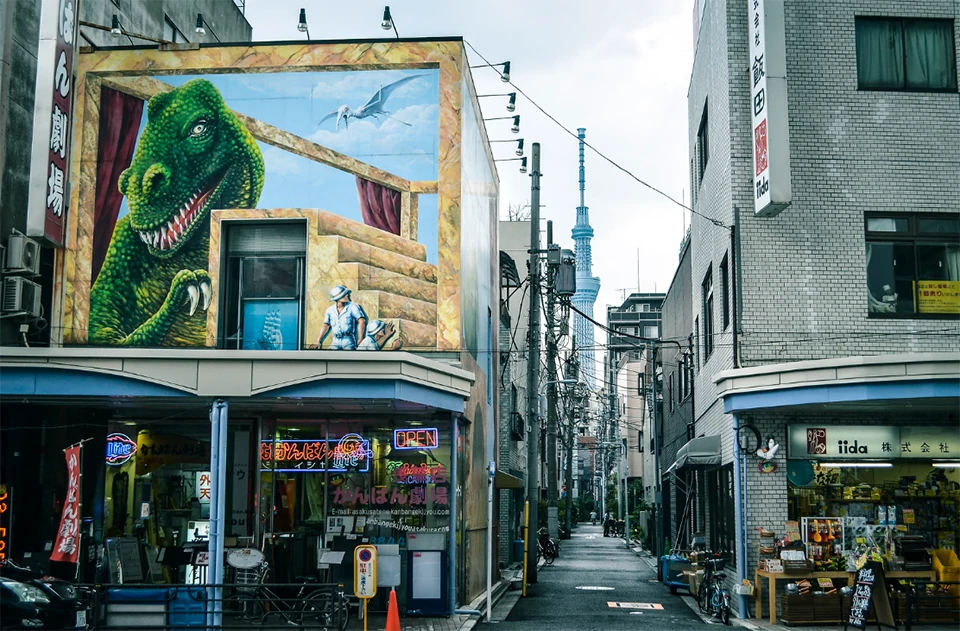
column 21, row 295
column 23, row 256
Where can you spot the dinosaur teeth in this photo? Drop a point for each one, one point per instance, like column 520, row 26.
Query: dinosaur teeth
column 156, row 239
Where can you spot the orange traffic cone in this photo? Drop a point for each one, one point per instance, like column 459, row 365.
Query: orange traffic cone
column 393, row 614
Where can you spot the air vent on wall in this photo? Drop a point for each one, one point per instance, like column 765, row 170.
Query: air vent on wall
column 21, row 296
column 23, row 256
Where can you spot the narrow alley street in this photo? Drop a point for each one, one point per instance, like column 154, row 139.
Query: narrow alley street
column 576, row 591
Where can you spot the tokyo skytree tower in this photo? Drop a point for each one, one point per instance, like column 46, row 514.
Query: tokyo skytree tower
column 588, row 285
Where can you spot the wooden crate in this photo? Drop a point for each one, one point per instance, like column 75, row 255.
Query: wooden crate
column 797, row 609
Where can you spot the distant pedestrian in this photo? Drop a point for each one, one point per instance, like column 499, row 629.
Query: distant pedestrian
column 606, row 524
column 593, row 517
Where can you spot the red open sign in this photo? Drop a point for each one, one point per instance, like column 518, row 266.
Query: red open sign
column 417, row 438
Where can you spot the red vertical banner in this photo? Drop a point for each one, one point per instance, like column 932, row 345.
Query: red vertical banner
column 66, row 547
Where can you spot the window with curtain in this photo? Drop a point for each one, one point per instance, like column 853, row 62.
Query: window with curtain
column 905, row 54
column 913, row 265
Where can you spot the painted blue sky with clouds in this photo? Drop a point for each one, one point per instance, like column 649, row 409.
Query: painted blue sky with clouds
column 297, row 101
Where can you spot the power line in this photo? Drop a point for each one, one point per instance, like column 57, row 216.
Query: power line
column 613, row 162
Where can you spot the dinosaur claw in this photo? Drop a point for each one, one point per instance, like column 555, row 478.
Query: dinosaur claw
column 194, row 297
column 207, row 292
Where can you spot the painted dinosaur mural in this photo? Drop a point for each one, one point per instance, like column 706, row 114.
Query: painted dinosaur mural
column 194, row 155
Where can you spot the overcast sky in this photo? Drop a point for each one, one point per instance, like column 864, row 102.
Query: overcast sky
column 619, row 68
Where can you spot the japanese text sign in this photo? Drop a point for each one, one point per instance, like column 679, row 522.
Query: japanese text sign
column 204, row 486
column 66, row 547
column 351, row 452
column 938, row 296
column 872, row 442
column 768, row 106
column 365, row 571
column 52, row 121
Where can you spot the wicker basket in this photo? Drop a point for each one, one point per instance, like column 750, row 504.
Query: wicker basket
column 766, row 530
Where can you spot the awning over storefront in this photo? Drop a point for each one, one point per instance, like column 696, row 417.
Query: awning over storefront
column 699, row 452
column 507, row 481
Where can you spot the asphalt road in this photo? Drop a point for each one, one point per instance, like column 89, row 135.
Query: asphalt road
column 589, row 560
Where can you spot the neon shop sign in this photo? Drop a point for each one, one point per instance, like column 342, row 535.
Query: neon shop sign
column 120, row 448
column 349, row 453
column 416, row 438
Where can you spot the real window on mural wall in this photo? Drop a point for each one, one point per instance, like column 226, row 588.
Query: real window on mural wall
column 905, row 54
column 913, row 265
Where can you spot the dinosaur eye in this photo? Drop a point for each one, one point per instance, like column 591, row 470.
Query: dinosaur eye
column 198, row 128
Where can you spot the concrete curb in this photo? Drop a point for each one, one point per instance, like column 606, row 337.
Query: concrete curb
column 480, row 604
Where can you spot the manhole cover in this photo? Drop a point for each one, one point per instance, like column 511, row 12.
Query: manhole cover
column 594, row 588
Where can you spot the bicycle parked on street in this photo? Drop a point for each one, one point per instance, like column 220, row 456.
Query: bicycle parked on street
column 546, row 547
column 315, row 606
column 712, row 597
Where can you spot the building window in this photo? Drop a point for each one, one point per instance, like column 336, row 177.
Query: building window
column 905, row 54
column 703, row 148
column 706, row 289
column 171, row 33
column 696, row 341
column 645, row 307
column 651, row 332
column 722, row 526
column 263, row 286
column 640, row 384
column 670, row 392
column 913, row 265
column 725, row 292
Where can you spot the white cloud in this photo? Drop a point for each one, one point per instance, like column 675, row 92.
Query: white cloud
column 279, row 162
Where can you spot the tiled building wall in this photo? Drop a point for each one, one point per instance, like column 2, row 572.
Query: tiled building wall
column 802, row 273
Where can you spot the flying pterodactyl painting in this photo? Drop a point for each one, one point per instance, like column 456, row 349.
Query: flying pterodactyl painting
column 372, row 108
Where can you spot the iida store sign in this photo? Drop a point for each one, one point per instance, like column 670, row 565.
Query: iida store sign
column 870, row 442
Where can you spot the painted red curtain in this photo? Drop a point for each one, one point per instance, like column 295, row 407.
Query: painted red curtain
column 379, row 205
column 119, row 122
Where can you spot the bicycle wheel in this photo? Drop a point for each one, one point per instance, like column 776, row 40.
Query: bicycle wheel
column 245, row 607
column 550, row 554
column 725, row 608
column 317, row 610
column 343, row 610
column 703, row 597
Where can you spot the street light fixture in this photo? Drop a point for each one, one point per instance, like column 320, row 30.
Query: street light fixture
column 388, row 22
column 115, row 29
column 519, row 142
column 199, row 28
column 302, row 24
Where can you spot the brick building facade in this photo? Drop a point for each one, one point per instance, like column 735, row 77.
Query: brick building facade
column 785, row 317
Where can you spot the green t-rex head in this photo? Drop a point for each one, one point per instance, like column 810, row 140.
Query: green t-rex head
column 193, row 155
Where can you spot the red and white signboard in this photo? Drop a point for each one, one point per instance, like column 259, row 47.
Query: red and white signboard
column 66, row 547
column 768, row 91
column 204, row 486
column 52, row 121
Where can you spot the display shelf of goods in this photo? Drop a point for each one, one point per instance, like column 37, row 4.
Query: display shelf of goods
column 934, row 608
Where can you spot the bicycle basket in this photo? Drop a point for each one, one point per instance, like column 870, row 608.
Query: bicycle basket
column 247, row 579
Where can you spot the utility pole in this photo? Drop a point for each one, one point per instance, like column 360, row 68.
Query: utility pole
column 551, row 339
column 657, row 491
column 533, row 367
column 572, row 411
